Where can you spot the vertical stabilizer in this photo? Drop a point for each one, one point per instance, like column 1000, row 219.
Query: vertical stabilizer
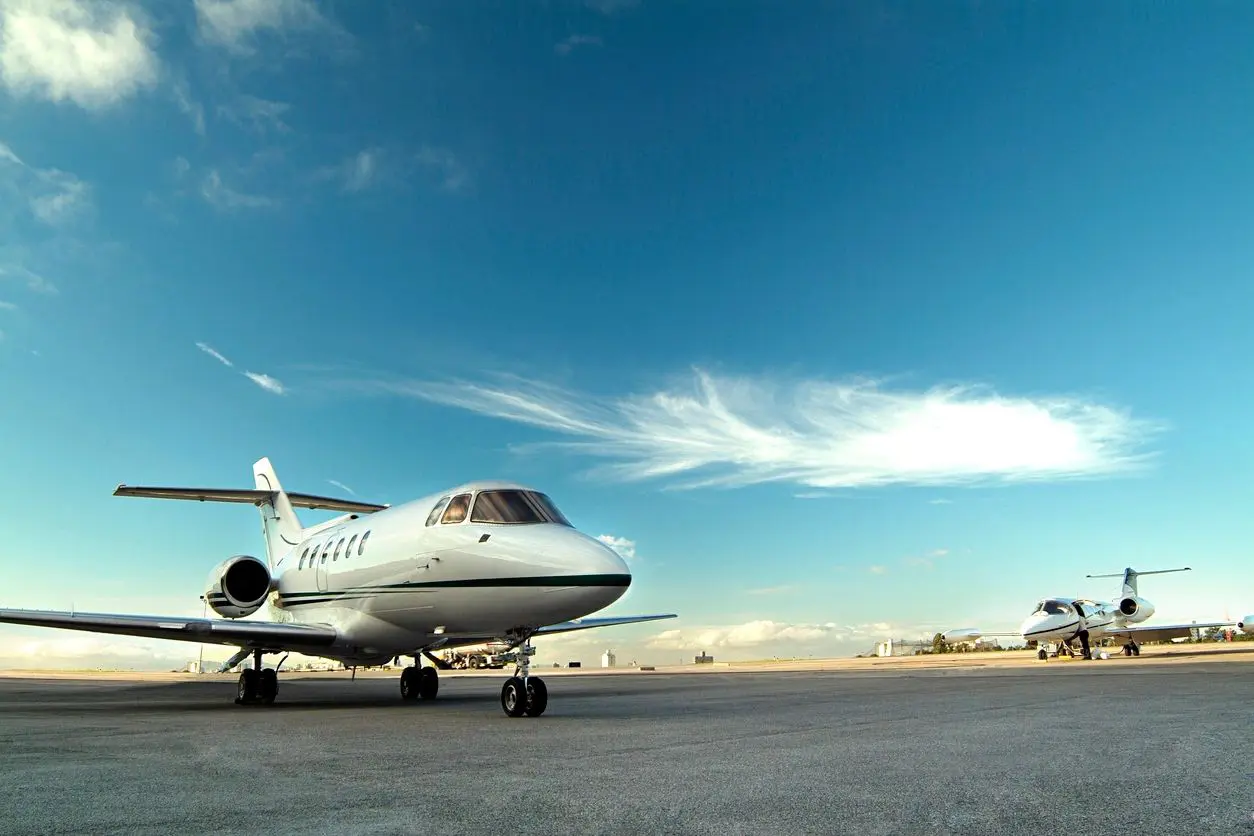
column 1128, row 589
column 280, row 526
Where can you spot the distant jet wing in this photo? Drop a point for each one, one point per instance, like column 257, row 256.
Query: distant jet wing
column 609, row 621
column 970, row 634
column 252, row 634
column 1163, row 632
column 251, row 497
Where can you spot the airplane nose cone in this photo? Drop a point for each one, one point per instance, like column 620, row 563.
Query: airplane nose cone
column 601, row 559
column 1042, row 626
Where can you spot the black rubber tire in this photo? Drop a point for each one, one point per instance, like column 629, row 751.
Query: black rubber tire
column 428, row 683
column 247, row 689
column 537, row 696
column 268, row 686
column 513, row 698
column 1136, row 650
column 1042, row 655
column 409, row 683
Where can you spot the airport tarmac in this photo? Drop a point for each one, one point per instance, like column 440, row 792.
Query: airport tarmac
column 1140, row 745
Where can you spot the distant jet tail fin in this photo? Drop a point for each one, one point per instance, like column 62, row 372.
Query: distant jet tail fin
column 1130, row 575
column 280, row 525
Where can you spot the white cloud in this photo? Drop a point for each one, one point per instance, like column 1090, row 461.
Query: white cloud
column 7, row 306
column 761, row 632
column 32, row 280
column 221, row 196
column 625, row 547
column 771, row 590
column 343, row 487
column 259, row 115
column 728, row 431
column 360, row 170
column 266, row 382
column 94, row 54
column 940, row 502
column 928, row 561
column 235, row 24
column 54, row 196
column 454, row 175
column 565, row 47
column 193, row 109
column 212, row 352
column 877, row 570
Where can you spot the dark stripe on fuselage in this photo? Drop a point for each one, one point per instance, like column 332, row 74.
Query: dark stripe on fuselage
column 467, row 583
column 1052, row 629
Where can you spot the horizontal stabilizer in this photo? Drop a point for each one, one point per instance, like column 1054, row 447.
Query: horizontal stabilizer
column 608, row 621
column 251, row 497
column 252, row 634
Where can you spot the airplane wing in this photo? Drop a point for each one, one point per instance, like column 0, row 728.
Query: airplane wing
column 607, row 621
column 970, row 634
column 250, row 497
column 270, row 635
column 1163, row 632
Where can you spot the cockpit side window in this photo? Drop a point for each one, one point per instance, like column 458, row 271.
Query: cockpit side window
column 547, row 507
column 456, row 510
column 434, row 516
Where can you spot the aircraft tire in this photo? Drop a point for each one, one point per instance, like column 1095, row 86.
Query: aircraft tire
column 537, row 696
column 428, row 683
column 409, row 683
column 513, row 697
column 247, row 689
column 1042, row 655
column 268, row 686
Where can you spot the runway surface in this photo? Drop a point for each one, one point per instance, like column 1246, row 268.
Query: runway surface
column 1122, row 746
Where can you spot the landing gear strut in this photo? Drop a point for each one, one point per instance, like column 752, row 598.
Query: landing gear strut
column 418, row 682
column 523, row 693
column 257, row 685
column 1131, row 648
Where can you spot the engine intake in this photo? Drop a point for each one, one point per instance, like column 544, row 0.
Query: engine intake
column 1135, row 609
column 1246, row 625
column 238, row 586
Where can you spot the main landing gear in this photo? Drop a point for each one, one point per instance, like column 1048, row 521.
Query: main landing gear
column 522, row 693
column 419, row 683
column 1131, row 648
column 257, row 686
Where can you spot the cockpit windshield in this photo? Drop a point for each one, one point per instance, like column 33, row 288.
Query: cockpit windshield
column 515, row 507
column 1052, row 607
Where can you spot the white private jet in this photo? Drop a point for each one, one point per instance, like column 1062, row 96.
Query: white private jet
column 1063, row 620
column 486, row 561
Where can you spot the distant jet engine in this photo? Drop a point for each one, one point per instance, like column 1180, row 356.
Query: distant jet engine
column 238, row 586
column 1246, row 625
column 1135, row 609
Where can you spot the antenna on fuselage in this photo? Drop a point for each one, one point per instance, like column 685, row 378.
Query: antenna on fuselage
column 1130, row 575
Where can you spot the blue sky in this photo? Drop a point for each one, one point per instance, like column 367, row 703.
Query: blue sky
column 855, row 319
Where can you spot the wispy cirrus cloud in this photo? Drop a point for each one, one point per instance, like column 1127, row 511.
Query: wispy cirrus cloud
column 31, row 280
column 265, row 381
column 625, row 547
column 342, row 487
column 855, row 433
column 237, row 25
column 566, row 46
column 52, row 196
column 261, row 116
column 221, row 196
column 927, row 561
column 94, row 54
column 772, row 590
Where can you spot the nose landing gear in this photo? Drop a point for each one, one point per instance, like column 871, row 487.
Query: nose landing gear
column 522, row 693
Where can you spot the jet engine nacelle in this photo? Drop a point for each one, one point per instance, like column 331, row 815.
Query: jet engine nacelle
column 1135, row 609
column 238, row 586
column 1246, row 625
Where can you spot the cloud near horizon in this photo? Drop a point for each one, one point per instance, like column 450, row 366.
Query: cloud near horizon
column 762, row 632
column 723, row 431
column 625, row 547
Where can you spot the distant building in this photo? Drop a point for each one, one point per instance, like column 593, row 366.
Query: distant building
column 704, row 660
column 607, row 659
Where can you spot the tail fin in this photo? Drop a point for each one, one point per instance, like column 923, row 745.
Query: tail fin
column 1130, row 575
column 280, row 525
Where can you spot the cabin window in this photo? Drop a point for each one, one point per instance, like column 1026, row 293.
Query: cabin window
column 338, row 548
column 349, row 550
column 326, row 550
column 505, row 507
column 361, row 547
column 456, row 510
column 303, row 555
column 434, row 516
